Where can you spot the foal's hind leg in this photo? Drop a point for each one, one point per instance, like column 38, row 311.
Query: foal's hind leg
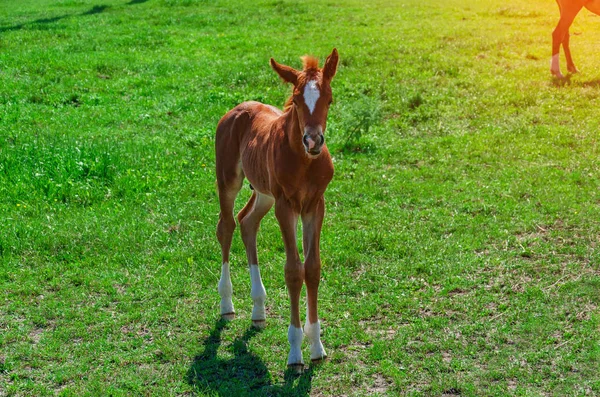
column 229, row 184
column 249, row 218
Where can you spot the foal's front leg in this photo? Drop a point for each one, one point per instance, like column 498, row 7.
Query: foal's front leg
column 312, row 220
column 294, row 277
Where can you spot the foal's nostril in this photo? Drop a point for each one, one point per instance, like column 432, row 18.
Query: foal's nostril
column 313, row 142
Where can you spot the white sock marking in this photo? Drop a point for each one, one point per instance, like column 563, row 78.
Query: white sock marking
column 311, row 95
column 554, row 64
column 226, row 290
column 295, row 339
column 258, row 294
column 313, row 333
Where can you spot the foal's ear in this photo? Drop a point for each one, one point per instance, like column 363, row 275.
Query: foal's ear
column 287, row 73
column 331, row 65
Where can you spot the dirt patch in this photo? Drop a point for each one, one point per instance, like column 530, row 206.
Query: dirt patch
column 121, row 289
column 458, row 292
column 138, row 331
column 377, row 326
column 446, row 356
column 451, row 392
column 36, row 335
column 557, row 239
column 355, row 352
column 380, row 385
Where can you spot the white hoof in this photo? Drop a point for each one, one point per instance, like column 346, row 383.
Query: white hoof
column 295, row 339
column 259, row 324
column 555, row 67
column 259, row 296
column 258, row 312
column 317, row 352
column 228, row 316
column 226, row 292
column 313, row 333
column 227, row 310
column 296, row 369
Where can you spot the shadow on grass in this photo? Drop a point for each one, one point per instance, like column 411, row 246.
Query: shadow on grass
column 592, row 83
column 95, row 10
column 561, row 82
column 244, row 374
column 136, row 2
column 567, row 81
column 42, row 21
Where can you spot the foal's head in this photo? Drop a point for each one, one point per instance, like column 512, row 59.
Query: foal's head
column 311, row 97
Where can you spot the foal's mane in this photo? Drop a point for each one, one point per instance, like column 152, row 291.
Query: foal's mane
column 310, row 67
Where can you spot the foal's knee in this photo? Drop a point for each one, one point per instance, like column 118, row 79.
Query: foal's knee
column 558, row 35
column 294, row 273
column 248, row 230
column 225, row 227
column 312, row 271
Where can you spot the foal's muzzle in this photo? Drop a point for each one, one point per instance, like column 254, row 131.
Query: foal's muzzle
column 313, row 140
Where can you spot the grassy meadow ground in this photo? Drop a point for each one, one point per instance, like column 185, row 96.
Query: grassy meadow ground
column 461, row 242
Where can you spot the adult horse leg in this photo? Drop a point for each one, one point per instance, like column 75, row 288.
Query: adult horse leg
column 249, row 218
column 294, row 277
column 568, row 12
column 571, row 68
column 592, row 6
column 312, row 220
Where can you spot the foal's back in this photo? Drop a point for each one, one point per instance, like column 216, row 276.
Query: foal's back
column 247, row 118
column 243, row 137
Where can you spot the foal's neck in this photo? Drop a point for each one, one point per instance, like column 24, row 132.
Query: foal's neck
column 293, row 132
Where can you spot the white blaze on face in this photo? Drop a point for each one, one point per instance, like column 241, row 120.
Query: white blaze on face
column 311, row 95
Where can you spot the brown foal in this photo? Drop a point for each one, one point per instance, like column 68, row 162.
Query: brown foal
column 568, row 11
column 284, row 157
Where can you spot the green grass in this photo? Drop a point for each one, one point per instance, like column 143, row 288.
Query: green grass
column 460, row 247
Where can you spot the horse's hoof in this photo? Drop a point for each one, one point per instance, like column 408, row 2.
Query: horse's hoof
column 557, row 74
column 259, row 324
column 318, row 360
column 296, row 369
column 228, row 316
column 573, row 70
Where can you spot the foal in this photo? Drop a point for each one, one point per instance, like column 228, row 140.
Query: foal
column 283, row 155
column 568, row 11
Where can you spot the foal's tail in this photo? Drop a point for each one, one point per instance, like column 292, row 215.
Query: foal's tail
column 230, row 131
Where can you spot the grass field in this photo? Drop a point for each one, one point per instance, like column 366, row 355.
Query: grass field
column 461, row 243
